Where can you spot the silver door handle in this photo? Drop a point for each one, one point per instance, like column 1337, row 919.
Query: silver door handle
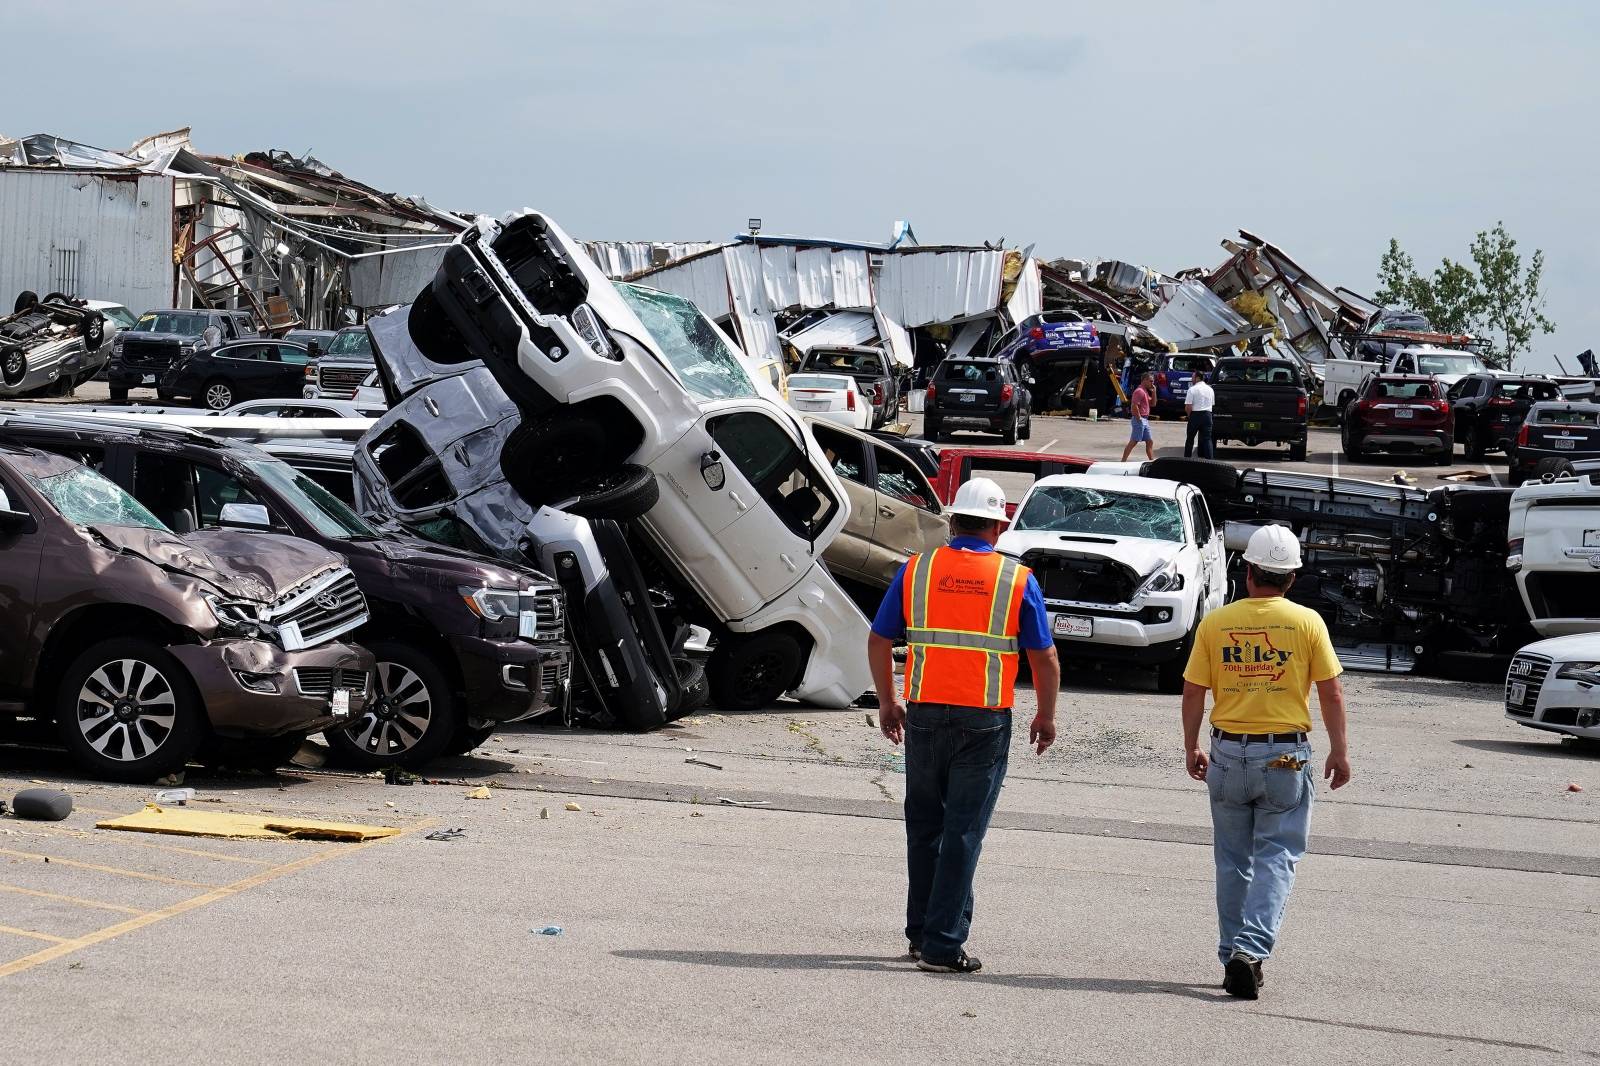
column 788, row 562
column 737, row 502
column 886, row 512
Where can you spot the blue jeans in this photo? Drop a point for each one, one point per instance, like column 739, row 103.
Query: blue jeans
column 1260, row 819
column 955, row 763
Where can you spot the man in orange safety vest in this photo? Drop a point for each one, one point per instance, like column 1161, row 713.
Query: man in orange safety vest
column 966, row 613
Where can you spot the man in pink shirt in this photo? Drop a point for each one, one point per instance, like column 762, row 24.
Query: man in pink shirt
column 1139, row 408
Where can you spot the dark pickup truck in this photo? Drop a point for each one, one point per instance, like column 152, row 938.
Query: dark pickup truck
column 463, row 643
column 873, row 370
column 1262, row 400
column 144, row 351
column 981, row 394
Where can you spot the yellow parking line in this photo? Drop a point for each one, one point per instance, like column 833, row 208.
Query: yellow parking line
column 31, row 933
column 220, row 892
column 110, row 869
column 76, row 900
column 79, row 834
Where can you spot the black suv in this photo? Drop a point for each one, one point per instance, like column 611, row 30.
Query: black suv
column 463, row 643
column 141, row 353
column 1488, row 409
column 979, row 394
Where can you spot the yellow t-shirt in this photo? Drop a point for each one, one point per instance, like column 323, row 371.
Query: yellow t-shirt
column 1259, row 657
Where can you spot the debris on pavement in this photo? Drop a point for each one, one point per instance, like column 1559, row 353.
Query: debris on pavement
column 447, row 834
column 574, row 807
column 398, row 775
column 41, row 805
column 550, row 930
column 701, row 762
column 1573, row 786
column 743, row 803
column 175, row 796
column 544, row 814
column 480, row 793
column 182, row 821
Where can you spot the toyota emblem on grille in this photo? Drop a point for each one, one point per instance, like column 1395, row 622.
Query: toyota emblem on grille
column 328, row 601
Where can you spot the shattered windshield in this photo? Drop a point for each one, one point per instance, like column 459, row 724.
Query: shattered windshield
column 86, row 498
column 171, row 322
column 705, row 364
column 1075, row 509
column 121, row 316
column 313, row 502
column 351, row 342
column 1448, row 364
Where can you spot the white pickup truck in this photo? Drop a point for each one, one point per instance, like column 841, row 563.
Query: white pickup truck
column 1553, row 549
column 1341, row 378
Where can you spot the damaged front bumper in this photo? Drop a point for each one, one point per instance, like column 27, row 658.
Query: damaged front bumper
column 509, row 681
column 252, row 688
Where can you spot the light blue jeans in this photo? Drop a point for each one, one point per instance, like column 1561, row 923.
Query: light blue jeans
column 1260, row 819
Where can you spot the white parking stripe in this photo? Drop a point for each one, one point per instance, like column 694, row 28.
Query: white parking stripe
column 1052, row 444
column 1493, row 477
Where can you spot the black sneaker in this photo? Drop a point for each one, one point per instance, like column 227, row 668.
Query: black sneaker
column 912, row 951
column 962, row 963
column 1241, row 978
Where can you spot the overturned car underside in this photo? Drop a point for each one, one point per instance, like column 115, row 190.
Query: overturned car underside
column 51, row 343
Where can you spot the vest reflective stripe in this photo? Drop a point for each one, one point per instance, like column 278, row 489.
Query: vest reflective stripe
column 962, row 649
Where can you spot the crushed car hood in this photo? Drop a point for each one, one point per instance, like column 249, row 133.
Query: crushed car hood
column 250, row 566
column 1139, row 554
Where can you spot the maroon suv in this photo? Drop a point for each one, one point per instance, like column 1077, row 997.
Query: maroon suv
column 1399, row 413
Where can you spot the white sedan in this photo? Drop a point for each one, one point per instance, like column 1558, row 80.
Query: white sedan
column 1555, row 685
column 834, row 397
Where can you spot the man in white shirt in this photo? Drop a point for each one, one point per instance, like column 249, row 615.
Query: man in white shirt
column 1197, row 407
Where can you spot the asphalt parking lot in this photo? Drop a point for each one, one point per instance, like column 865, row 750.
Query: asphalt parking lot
column 730, row 888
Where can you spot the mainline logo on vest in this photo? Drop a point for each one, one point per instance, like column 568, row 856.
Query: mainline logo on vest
column 963, row 586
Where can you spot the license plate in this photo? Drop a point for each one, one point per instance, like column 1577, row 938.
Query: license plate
column 1072, row 625
column 1516, row 692
column 341, row 703
column 1404, row 412
column 1252, row 425
column 812, row 405
column 969, row 399
column 1564, row 444
column 148, row 379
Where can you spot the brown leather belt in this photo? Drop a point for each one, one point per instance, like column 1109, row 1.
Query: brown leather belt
column 1259, row 738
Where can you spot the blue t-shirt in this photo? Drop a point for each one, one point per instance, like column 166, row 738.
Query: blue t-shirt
column 1033, row 629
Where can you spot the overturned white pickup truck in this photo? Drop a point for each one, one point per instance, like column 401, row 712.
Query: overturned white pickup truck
column 1553, row 549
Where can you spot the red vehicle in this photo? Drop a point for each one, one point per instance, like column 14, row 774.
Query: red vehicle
column 960, row 465
column 1399, row 413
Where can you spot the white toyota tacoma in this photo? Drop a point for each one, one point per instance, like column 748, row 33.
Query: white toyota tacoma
column 1554, row 685
column 1128, row 566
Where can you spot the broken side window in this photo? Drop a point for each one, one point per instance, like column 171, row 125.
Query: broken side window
column 86, row 498
column 845, row 453
column 777, row 469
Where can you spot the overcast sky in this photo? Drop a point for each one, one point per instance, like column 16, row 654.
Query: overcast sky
column 1145, row 132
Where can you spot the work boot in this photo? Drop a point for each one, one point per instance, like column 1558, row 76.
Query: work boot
column 913, row 951
column 962, row 963
column 1241, row 978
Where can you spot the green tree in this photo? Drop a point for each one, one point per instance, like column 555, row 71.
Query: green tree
column 1500, row 298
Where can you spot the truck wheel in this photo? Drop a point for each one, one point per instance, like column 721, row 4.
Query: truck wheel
column 930, row 430
column 410, row 716
column 13, row 364
column 1027, row 428
column 26, row 300
column 466, row 739
column 94, row 331
column 432, row 332
column 117, row 392
column 128, row 711
column 621, row 495
column 217, row 395
column 1169, row 675
column 1475, row 447
column 1552, row 467
column 748, row 673
column 694, row 686
column 1009, row 434
column 1297, row 451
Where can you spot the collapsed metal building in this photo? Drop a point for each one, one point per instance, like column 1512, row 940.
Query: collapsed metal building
column 160, row 225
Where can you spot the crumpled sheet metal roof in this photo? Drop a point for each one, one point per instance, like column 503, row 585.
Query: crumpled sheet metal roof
column 918, row 287
column 1193, row 311
column 752, row 310
column 839, row 328
column 702, row 280
column 620, row 259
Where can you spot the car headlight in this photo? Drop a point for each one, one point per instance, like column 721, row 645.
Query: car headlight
column 490, row 604
column 588, row 327
column 1167, row 579
column 1587, row 672
column 240, row 618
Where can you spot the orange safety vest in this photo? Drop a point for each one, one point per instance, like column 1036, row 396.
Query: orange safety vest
column 963, row 610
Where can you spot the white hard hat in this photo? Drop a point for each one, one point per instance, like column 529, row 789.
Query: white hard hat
column 1274, row 548
column 981, row 498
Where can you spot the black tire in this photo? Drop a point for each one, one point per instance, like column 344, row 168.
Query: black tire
column 1008, row 435
column 94, row 331
column 55, row 298
column 693, row 685
column 13, row 364
column 117, row 392
column 467, row 738
column 621, row 495
column 748, row 673
column 217, row 395
column 1297, row 451
column 383, row 736
column 1211, row 477
column 1551, row 467
column 153, row 719
column 1475, row 447
column 1515, row 476
column 930, row 430
column 1027, row 428
column 1445, row 458
column 26, row 300
column 1169, row 675
column 1350, row 444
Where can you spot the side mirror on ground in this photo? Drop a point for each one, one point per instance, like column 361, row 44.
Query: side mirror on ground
column 244, row 516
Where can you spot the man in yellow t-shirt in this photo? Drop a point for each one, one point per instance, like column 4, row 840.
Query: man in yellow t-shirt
column 1259, row 657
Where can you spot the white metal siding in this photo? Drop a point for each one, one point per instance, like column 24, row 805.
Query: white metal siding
column 916, row 288
column 116, row 231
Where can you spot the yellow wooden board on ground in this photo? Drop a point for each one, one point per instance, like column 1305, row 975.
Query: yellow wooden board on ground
column 182, row 821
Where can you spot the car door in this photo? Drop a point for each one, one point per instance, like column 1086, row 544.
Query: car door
column 847, row 454
column 1465, row 396
column 21, row 547
column 288, row 364
column 1213, row 556
column 243, row 366
column 909, row 518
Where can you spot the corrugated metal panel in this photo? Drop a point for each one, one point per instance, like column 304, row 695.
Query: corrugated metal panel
column 1191, row 311
column 1028, row 297
column 750, row 307
column 917, row 288
column 395, row 278
column 618, row 259
column 833, row 277
column 896, row 339
column 703, row 282
column 119, row 227
column 778, row 270
column 844, row 327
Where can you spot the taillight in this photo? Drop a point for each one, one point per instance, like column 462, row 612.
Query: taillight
column 1161, row 379
column 1300, row 407
column 1522, row 436
column 1037, row 333
column 1094, row 334
column 1442, row 406
column 877, row 393
column 1005, row 392
column 1502, row 401
column 930, row 393
column 1514, row 546
column 849, row 401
